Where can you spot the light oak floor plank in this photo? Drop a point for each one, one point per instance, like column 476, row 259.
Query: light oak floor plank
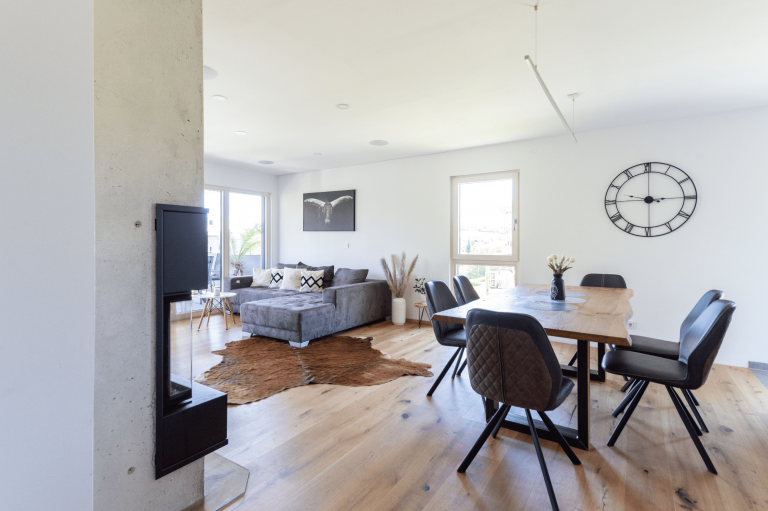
column 389, row 447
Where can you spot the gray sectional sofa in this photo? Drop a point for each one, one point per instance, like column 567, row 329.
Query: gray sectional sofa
column 300, row 317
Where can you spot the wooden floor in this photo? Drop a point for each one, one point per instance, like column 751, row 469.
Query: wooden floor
column 389, row 447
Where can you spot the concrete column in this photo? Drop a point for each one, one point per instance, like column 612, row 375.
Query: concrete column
column 148, row 149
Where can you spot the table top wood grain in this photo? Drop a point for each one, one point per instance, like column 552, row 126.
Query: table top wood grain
column 600, row 317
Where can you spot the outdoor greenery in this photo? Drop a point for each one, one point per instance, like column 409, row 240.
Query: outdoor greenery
column 249, row 239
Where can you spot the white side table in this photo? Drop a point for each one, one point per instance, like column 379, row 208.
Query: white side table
column 224, row 304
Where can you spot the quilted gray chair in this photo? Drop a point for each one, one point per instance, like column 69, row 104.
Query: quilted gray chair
column 464, row 290
column 698, row 349
column 670, row 350
column 439, row 298
column 511, row 361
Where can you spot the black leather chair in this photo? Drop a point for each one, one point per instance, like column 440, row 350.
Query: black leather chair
column 511, row 361
column 670, row 350
column 600, row 280
column 464, row 290
column 698, row 349
column 439, row 298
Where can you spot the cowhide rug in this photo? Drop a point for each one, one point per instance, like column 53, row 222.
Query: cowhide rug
column 256, row 368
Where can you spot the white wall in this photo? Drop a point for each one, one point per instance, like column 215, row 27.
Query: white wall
column 405, row 205
column 47, row 256
column 226, row 176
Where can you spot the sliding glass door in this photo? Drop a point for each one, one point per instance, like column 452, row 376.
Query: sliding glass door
column 246, row 232
column 237, row 232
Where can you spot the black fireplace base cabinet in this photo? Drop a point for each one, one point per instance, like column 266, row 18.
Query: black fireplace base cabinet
column 194, row 429
column 190, row 419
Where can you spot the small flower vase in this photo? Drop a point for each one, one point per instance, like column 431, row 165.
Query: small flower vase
column 398, row 311
column 558, row 287
column 423, row 300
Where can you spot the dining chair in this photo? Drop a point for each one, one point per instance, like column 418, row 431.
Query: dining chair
column 464, row 290
column 511, row 361
column 670, row 350
column 600, row 280
column 698, row 348
column 439, row 298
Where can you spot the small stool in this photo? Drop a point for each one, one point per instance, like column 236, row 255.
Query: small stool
column 422, row 311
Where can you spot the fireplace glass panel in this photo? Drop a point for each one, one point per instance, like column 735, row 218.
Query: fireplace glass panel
column 179, row 371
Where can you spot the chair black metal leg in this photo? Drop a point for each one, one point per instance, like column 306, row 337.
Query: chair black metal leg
column 690, row 417
column 458, row 363
column 695, row 401
column 573, row 358
column 695, row 412
column 627, row 414
column 627, row 399
column 498, row 424
column 442, row 374
column 543, row 464
column 462, row 366
column 498, row 417
column 628, row 385
column 689, row 426
column 559, row 437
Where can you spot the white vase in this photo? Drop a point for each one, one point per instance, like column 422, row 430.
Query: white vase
column 398, row 311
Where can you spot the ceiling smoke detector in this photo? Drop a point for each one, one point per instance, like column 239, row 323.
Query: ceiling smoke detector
column 378, row 142
column 266, row 162
column 342, row 106
column 241, row 133
column 219, row 97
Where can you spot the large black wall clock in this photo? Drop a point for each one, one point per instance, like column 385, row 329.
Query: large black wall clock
column 650, row 199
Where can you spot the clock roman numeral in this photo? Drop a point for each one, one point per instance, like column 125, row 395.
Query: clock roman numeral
column 668, row 169
column 609, row 202
column 629, row 227
column 628, row 174
column 684, row 180
column 615, row 218
column 647, row 167
column 613, row 186
column 693, row 197
column 647, row 231
column 669, row 227
column 684, row 214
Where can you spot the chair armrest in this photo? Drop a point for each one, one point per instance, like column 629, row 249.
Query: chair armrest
column 230, row 283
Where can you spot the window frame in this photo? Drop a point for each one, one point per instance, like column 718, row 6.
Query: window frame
column 266, row 251
column 509, row 260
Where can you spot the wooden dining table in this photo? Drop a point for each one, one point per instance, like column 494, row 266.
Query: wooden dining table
column 588, row 314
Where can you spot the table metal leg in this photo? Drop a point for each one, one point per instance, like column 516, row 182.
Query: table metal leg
column 595, row 375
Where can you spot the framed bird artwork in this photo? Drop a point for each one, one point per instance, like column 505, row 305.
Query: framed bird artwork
column 329, row 211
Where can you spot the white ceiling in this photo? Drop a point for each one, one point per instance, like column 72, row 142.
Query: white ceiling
column 437, row 75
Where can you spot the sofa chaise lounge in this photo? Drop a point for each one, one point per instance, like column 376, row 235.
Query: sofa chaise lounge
column 299, row 317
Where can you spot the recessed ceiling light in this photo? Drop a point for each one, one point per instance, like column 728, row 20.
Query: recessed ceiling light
column 209, row 73
column 241, row 133
column 219, row 97
column 378, row 142
column 342, row 106
column 266, row 162
column 316, row 154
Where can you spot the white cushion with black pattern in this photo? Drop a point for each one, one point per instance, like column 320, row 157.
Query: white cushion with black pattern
column 277, row 278
column 312, row 281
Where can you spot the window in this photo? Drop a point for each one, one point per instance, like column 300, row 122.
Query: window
column 237, row 232
column 484, row 235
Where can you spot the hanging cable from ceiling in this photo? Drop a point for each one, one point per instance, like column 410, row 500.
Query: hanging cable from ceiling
column 534, row 67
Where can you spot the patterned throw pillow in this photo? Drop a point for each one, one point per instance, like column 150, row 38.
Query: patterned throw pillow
column 312, row 281
column 291, row 279
column 261, row 278
column 277, row 279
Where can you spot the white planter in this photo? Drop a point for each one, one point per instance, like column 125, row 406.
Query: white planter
column 398, row 311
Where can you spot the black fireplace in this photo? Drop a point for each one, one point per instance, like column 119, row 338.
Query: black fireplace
column 191, row 419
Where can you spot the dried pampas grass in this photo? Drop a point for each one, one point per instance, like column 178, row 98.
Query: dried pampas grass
column 398, row 283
